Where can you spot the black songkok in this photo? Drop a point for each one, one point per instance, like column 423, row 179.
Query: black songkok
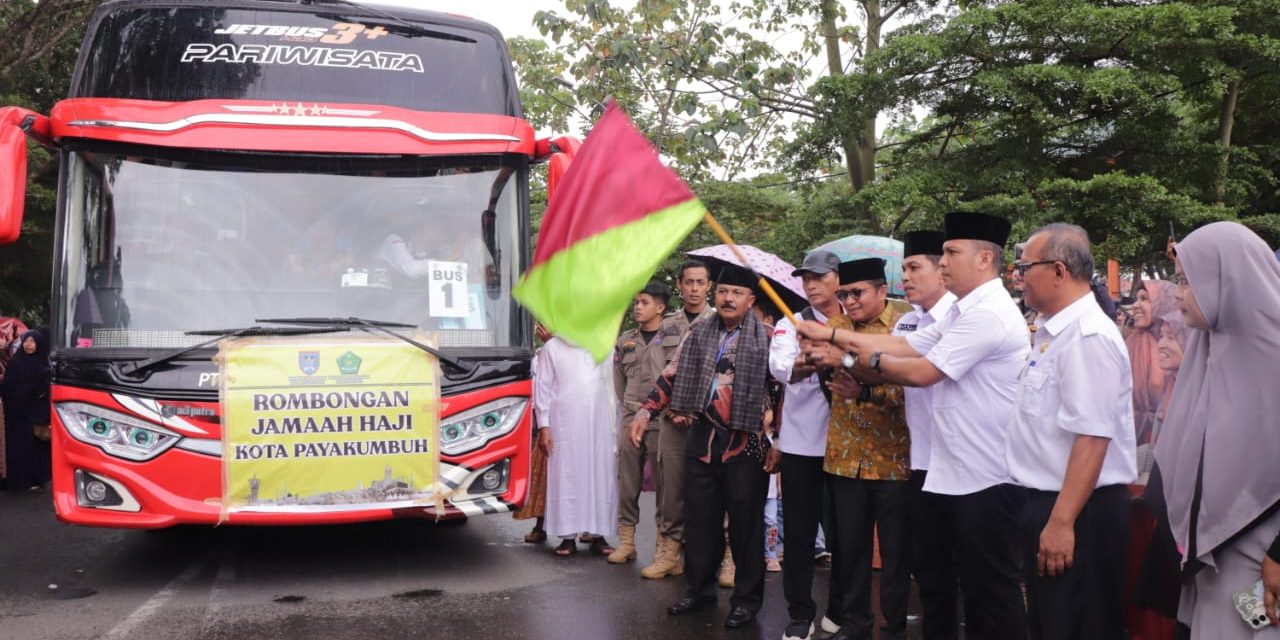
column 927, row 243
column 860, row 270
column 732, row 274
column 961, row 225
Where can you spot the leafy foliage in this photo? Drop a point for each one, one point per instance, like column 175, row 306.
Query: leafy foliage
column 35, row 71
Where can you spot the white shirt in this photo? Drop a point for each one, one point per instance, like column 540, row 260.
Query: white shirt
column 980, row 347
column 396, row 252
column 805, row 410
column 918, row 400
column 1076, row 382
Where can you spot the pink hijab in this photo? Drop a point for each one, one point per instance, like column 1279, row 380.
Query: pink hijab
column 1225, row 407
column 1148, row 377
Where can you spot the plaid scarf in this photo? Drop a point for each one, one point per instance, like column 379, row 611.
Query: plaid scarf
column 750, row 372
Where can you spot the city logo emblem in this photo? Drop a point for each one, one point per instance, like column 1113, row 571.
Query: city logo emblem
column 349, row 364
column 309, row 361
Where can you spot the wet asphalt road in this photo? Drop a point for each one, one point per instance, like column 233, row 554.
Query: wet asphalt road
column 402, row 579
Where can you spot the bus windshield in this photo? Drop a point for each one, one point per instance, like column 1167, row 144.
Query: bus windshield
column 299, row 53
column 155, row 246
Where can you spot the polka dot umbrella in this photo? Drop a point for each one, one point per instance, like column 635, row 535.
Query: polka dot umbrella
column 776, row 270
column 858, row 247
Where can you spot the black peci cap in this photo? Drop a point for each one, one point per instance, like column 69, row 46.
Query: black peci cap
column 864, row 269
column 732, row 274
column 963, row 225
column 927, row 243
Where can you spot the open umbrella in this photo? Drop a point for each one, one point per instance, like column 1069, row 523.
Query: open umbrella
column 774, row 269
column 859, row 247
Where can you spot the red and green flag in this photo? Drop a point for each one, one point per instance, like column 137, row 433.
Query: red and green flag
column 617, row 213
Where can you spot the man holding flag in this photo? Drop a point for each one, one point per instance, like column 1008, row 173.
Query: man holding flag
column 718, row 389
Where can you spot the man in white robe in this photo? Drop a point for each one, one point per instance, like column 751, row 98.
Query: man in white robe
column 577, row 416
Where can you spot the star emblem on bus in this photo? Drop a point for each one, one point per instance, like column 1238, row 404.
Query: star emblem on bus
column 299, row 109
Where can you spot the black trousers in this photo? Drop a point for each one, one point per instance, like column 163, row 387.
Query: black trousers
column 803, row 491
column 981, row 533
column 859, row 507
column 934, row 561
column 1088, row 600
column 711, row 491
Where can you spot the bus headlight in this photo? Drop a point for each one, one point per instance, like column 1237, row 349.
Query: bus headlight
column 473, row 428
column 118, row 434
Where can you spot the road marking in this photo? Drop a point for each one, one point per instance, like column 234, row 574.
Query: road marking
column 152, row 606
column 218, row 591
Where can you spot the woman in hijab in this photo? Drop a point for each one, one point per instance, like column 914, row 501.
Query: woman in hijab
column 1154, row 300
column 25, row 392
column 1152, row 593
column 1218, row 453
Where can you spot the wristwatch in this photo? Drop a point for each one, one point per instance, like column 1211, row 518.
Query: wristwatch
column 849, row 360
column 874, row 362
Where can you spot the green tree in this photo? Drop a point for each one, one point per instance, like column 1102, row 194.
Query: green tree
column 1124, row 116
column 35, row 71
column 1121, row 116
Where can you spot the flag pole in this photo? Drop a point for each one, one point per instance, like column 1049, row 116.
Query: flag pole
column 764, row 284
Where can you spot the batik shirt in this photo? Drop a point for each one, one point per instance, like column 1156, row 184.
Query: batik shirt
column 869, row 440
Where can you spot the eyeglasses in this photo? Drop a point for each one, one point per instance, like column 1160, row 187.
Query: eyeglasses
column 843, row 295
column 1021, row 267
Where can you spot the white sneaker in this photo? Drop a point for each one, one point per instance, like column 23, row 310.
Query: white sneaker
column 830, row 625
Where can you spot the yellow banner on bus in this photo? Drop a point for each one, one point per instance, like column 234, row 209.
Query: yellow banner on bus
column 323, row 424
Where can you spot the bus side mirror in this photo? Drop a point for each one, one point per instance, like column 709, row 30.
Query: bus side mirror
column 559, row 153
column 15, row 124
column 13, row 180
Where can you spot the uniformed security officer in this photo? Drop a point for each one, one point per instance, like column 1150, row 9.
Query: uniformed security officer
column 693, row 281
column 641, row 354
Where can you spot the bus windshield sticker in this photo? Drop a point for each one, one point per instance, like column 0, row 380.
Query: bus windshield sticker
column 303, row 56
column 341, row 33
column 448, row 286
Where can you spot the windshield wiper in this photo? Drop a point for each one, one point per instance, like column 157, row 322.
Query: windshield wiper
column 372, row 326
column 220, row 334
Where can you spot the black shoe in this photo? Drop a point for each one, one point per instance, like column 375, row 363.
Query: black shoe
column 690, row 604
column 738, row 618
column 801, row 629
column 845, row 634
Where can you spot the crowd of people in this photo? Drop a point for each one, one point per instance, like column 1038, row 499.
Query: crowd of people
column 1042, row 467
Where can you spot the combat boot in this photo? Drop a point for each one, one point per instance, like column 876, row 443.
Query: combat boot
column 667, row 560
column 727, row 569
column 626, row 551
